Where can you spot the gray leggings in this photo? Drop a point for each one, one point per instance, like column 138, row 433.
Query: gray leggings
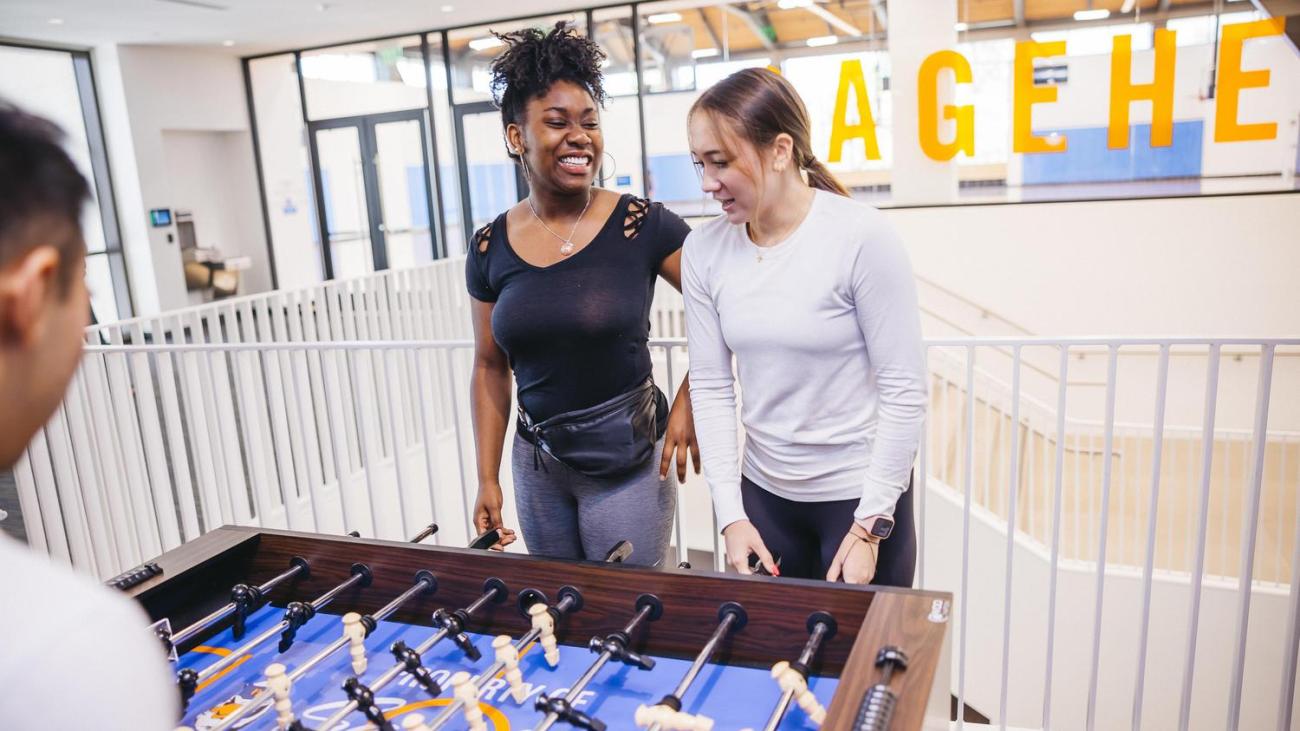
column 565, row 514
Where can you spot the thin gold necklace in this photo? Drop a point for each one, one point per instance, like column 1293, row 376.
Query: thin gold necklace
column 566, row 245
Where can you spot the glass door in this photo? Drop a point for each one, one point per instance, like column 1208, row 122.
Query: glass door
column 341, row 193
column 490, row 182
column 402, row 178
column 372, row 188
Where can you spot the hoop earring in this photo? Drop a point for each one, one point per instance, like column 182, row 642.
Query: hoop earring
column 613, row 167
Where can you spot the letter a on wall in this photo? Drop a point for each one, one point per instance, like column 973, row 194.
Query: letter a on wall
column 852, row 79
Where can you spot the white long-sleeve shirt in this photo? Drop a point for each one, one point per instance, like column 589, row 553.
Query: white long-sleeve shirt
column 826, row 334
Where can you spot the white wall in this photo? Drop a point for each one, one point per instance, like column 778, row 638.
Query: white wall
column 212, row 176
column 1173, row 266
column 1075, row 606
column 146, row 91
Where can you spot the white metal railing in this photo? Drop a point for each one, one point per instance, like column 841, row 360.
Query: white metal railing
column 1099, row 574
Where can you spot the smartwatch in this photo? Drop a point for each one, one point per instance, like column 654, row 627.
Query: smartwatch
column 879, row 527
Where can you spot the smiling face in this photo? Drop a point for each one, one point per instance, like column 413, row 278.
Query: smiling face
column 726, row 165
column 560, row 138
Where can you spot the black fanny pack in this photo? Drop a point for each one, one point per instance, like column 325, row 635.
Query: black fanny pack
column 605, row 440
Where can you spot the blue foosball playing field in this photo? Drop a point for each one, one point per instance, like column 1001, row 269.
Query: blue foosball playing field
column 734, row 697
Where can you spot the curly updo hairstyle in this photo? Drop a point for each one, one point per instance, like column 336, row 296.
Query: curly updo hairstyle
column 535, row 59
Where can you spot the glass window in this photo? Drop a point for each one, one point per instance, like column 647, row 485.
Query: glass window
column 620, row 119
column 472, row 51
column 1098, row 40
column 448, row 180
column 48, row 87
column 364, row 78
column 687, row 46
column 286, row 172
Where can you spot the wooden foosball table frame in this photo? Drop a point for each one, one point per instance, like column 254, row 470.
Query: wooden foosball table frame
column 196, row 579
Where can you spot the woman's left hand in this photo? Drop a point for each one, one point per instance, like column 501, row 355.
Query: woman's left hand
column 856, row 559
column 680, row 438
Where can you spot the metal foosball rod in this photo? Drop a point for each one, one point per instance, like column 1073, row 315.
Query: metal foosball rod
column 243, row 600
column 428, row 530
column 667, row 715
column 821, row 627
column 544, row 619
column 296, row 614
column 425, row 583
column 451, row 624
column 611, row 647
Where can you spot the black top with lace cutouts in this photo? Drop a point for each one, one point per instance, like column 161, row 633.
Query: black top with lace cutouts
column 576, row 331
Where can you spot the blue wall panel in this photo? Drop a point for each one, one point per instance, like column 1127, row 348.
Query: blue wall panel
column 1089, row 160
column 673, row 178
column 417, row 193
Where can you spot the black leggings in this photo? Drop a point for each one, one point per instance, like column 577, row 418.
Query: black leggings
column 807, row 535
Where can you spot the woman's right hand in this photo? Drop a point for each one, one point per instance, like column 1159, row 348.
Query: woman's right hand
column 742, row 539
column 487, row 514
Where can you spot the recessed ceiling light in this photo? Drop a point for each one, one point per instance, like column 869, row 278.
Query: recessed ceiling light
column 448, row 8
column 1098, row 14
column 792, row 4
column 822, row 41
column 227, row 44
column 482, row 44
column 704, row 53
column 56, row 21
column 664, row 18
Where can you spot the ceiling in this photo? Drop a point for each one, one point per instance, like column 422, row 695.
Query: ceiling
column 255, row 26
column 260, row 26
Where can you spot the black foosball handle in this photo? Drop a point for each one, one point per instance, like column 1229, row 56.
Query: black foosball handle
column 487, row 540
column 619, row 553
column 876, row 711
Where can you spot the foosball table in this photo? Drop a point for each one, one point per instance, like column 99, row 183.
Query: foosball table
column 272, row 629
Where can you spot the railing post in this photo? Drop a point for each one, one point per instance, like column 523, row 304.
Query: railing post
column 1158, row 434
column 1249, row 524
column 1063, row 373
column 1198, row 561
column 1013, row 488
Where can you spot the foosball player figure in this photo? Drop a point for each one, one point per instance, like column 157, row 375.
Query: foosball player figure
column 467, row 693
column 355, row 631
column 544, row 623
column 507, row 655
column 791, row 680
column 414, row 722
column 279, row 685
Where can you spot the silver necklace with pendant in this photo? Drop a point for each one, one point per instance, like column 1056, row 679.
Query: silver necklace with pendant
column 566, row 245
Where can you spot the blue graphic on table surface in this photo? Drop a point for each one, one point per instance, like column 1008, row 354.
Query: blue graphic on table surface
column 734, row 697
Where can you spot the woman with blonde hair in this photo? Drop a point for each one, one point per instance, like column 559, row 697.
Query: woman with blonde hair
column 813, row 295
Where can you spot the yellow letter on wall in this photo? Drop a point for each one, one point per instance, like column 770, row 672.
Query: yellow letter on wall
column 927, row 84
column 1232, row 80
column 1027, row 95
column 1160, row 92
column 841, row 131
